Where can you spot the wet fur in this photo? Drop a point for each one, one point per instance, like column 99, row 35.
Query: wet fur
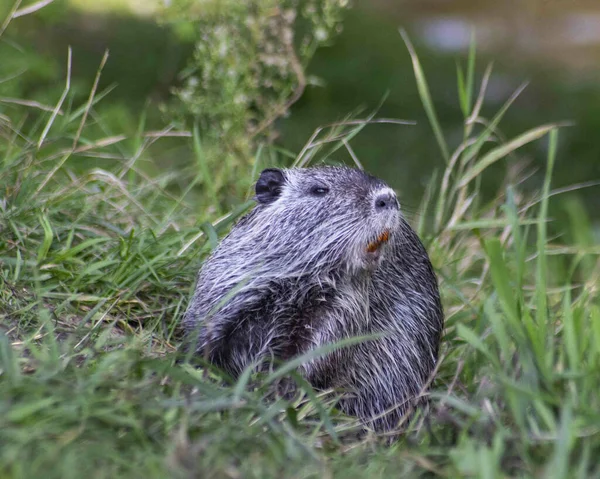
column 300, row 260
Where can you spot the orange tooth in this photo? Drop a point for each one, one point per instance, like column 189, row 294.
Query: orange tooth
column 382, row 238
column 372, row 247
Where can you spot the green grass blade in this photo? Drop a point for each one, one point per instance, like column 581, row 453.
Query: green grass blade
column 470, row 83
column 469, row 336
column 472, row 151
column 504, row 150
column 317, row 353
column 202, row 163
column 501, row 279
column 466, row 82
column 426, row 97
column 541, row 270
column 48, row 234
column 462, row 91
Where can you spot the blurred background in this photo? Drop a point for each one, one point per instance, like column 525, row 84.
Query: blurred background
column 552, row 44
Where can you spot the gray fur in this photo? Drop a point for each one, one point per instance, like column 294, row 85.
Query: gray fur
column 307, row 280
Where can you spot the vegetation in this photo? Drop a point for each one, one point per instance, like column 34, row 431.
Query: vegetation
column 248, row 68
column 97, row 265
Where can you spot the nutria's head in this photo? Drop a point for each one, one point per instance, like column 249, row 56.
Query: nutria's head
column 334, row 216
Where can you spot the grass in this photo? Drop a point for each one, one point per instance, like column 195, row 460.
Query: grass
column 97, row 265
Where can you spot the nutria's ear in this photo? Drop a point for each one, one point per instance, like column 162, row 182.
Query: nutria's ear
column 269, row 185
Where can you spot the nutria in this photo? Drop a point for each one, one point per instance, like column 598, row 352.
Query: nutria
column 324, row 255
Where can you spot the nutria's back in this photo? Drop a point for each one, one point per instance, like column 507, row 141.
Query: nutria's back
column 324, row 255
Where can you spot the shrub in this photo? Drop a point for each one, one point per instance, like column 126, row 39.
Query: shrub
column 248, row 65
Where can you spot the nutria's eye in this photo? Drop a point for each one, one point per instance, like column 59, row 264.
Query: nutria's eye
column 319, row 190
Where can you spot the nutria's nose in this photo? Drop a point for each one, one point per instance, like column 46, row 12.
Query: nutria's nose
column 385, row 201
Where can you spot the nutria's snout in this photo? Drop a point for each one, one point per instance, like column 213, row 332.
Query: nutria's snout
column 386, row 209
column 386, row 201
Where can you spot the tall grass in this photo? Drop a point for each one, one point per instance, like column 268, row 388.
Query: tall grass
column 97, row 265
